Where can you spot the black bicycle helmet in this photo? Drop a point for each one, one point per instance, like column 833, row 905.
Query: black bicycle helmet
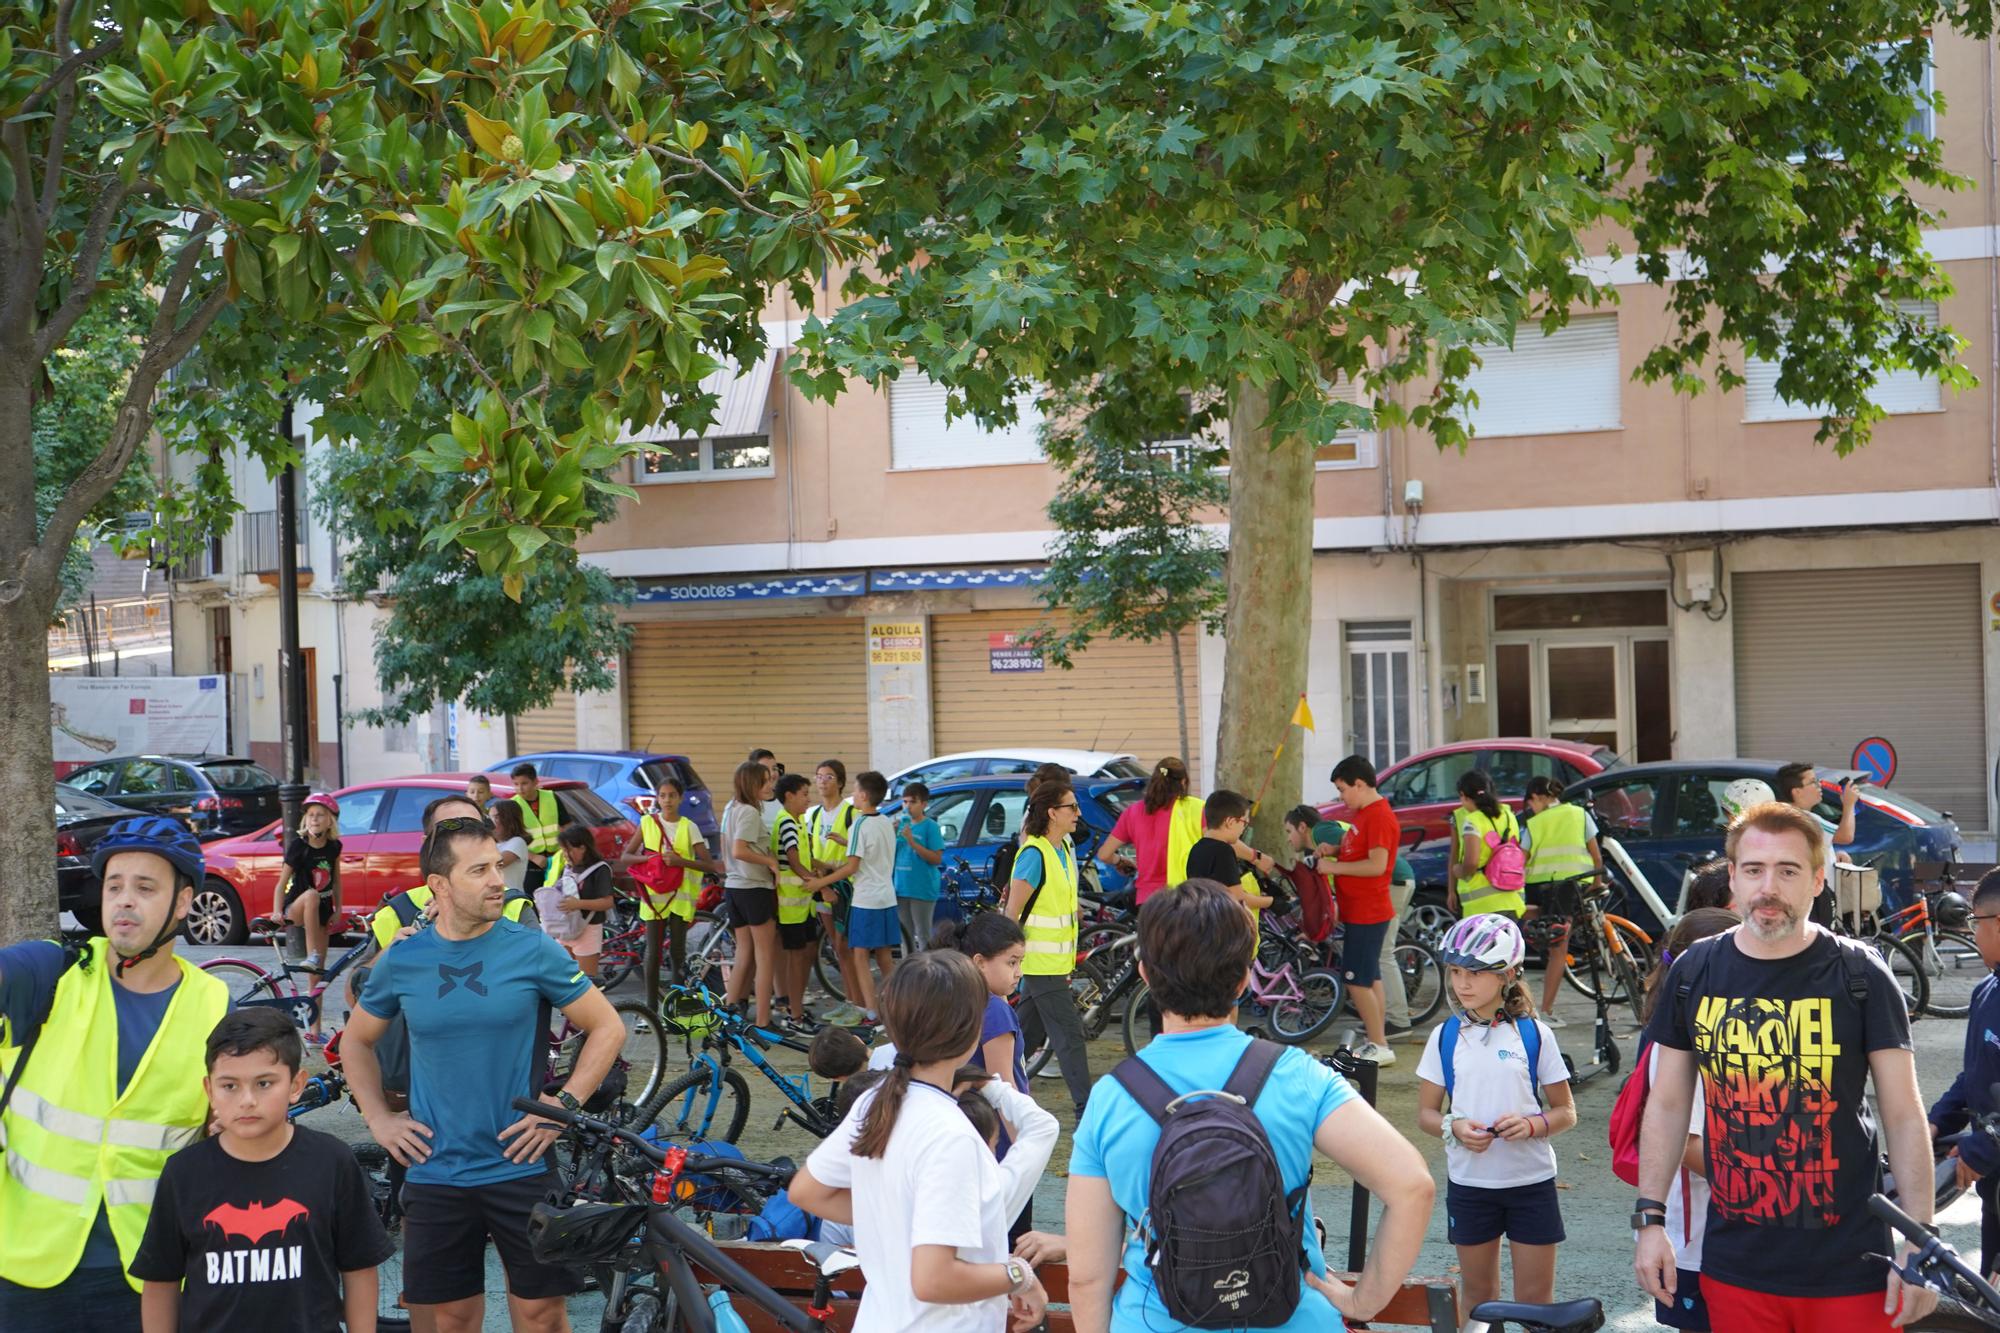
column 582, row 1233
column 1951, row 910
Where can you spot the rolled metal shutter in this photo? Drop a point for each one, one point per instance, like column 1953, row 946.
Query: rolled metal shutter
column 1119, row 696
column 713, row 689
column 1826, row 658
column 552, row 727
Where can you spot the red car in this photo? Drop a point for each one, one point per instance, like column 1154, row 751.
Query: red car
column 381, row 831
column 1423, row 789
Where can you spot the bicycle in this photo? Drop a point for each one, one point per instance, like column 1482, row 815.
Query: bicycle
column 251, row 983
column 1603, row 949
column 1949, row 959
column 630, row 1240
column 1582, row 1316
column 692, row 1107
column 1289, row 998
column 1967, row 1302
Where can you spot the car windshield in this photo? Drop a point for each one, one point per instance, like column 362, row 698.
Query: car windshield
column 1115, row 799
column 653, row 770
column 1124, row 767
column 1605, row 758
column 237, row 777
column 586, row 807
column 74, row 804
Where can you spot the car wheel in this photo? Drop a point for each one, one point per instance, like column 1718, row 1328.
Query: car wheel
column 1429, row 921
column 217, row 915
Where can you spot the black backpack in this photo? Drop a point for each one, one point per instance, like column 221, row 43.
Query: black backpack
column 1224, row 1241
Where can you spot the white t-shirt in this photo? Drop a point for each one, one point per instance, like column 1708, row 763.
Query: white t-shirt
column 935, row 1185
column 874, row 842
column 1490, row 1071
column 883, row 1056
column 1687, row 1199
column 515, row 872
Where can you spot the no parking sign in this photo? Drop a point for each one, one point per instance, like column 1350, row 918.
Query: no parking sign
column 1877, row 758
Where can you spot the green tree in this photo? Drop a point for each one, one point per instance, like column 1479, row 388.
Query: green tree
column 552, row 217
column 1262, row 196
column 1131, row 558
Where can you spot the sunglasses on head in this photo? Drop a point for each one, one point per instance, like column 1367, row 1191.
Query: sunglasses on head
column 460, row 824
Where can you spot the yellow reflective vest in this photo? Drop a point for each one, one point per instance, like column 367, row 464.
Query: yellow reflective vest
column 74, row 1143
column 1050, row 921
column 1476, row 893
column 825, row 851
column 543, row 820
column 1558, row 845
column 794, row 903
column 1183, row 832
column 680, row 903
column 408, row 905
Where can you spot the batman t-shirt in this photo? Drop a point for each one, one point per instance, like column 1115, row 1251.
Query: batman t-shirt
column 262, row 1245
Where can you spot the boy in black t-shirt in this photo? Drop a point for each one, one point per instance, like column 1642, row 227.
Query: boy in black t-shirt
column 1221, row 854
column 266, row 1225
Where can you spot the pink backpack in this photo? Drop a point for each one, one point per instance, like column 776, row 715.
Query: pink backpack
column 1506, row 863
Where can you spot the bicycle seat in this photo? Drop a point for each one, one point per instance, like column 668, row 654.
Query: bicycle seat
column 831, row 1260
column 1582, row 1316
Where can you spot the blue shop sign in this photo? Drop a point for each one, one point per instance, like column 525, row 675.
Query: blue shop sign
column 925, row 580
column 759, row 588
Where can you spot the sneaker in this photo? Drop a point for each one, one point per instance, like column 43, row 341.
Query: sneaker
column 1379, row 1055
column 1553, row 1019
column 1398, row 1031
column 847, row 1016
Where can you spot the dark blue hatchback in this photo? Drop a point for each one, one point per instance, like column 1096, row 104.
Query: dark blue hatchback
column 978, row 815
column 625, row 778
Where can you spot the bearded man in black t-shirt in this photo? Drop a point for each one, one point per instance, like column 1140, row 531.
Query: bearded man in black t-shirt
column 1785, row 1023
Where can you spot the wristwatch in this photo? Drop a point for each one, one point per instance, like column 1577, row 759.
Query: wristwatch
column 1648, row 1213
column 569, row 1102
column 1019, row 1276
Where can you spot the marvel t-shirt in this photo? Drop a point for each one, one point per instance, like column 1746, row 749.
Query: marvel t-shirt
column 261, row 1245
column 1792, row 1150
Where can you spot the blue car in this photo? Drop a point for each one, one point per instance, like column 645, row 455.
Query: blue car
column 625, row 778
column 978, row 815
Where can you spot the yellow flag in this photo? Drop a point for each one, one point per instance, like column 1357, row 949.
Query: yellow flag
column 1302, row 715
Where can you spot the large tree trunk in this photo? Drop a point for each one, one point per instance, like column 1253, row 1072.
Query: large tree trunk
column 1269, row 618
column 27, row 773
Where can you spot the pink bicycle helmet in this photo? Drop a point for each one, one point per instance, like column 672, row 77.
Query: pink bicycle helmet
column 321, row 798
column 1488, row 942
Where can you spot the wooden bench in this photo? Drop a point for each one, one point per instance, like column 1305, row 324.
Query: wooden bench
column 1422, row 1303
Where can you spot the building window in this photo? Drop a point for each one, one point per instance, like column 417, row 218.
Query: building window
column 1353, row 447
column 1552, row 384
column 1922, row 123
column 1899, row 391
column 1379, row 653
column 920, row 436
column 705, row 460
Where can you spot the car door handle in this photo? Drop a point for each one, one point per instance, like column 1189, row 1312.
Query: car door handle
column 351, row 860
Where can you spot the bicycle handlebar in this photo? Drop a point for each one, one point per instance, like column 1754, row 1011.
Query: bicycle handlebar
column 1933, row 1254
column 652, row 1152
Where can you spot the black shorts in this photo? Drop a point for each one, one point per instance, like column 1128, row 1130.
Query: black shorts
column 800, row 935
column 1556, row 899
column 1689, row 1311
column 751, row 907
column 445, row 1230
column 1361, row 952
column 1524, row 1214
column 295, row 891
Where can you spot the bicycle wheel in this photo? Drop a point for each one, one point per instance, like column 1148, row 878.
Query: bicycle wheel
column 1136, row 1030
column 711, row 952
column 1300, row 1019
column 1086, row 987
column 645, row 1052
column 706, row 1103
column 1908, row 970
column 246, row 981
column 1423, row 981
column 1627, row 984
column 826, row 970
column 385, row 1186
column 624, row 949
column 1952, row 964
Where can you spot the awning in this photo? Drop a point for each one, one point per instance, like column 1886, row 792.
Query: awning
column 744, row 396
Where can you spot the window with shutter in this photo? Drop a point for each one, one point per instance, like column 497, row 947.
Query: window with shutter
column 1896, row 392
column 920, row 436
column 1353, row 447
column 1550, row 384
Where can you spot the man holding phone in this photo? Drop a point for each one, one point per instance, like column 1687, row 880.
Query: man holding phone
column 1800, row 785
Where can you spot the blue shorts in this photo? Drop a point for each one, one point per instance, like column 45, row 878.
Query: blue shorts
column 1361, row 952
column 873, row 928
column 1524, row 1214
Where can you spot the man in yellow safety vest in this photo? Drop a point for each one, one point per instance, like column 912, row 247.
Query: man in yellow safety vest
column 89, row 1125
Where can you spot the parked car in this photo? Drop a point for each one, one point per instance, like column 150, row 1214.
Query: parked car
column 977, row 815
column 216, row 794
column 1668, row 816
column 81, row 820
column 625, row 778
column 1423, row 789
column 381, row 832
column 1026, row 759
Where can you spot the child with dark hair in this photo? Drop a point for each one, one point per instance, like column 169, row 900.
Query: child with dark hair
column 1710, row 886
column 267, row 1224
column 1971, row 1093
column 1222, row 854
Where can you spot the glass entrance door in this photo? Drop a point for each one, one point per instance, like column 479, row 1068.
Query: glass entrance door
column 1581, row 695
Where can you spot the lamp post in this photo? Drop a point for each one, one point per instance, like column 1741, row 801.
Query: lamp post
column 292, row 792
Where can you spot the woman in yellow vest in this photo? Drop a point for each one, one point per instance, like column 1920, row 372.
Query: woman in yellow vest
column 92, row 1119
column 1479, row 813
column 665, row 833
column 1562, row 844
column 1042, row 896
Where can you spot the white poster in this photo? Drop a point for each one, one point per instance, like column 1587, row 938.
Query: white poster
column 96, row 717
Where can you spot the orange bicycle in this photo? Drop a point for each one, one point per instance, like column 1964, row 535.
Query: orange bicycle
column 1621, row 952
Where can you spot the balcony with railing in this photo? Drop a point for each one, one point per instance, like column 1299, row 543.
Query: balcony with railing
column 258, row 549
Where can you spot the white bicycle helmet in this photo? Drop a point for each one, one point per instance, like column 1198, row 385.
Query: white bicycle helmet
column 1743, row 793
column 1488, row 942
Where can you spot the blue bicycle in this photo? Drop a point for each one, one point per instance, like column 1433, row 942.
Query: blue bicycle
column 711, row 1102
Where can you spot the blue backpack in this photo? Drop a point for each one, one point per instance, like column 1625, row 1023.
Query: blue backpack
column 1531, row 1045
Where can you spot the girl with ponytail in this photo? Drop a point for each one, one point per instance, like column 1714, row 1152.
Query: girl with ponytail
column 1148, row 829
column 1479, row 826
column 928, row 1203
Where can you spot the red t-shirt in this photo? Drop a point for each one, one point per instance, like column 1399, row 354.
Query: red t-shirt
column 1363, row 900
column 1147, row 835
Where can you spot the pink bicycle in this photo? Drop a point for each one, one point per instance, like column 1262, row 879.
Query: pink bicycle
column 1290, row 999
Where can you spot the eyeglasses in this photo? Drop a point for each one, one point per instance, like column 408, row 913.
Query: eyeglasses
column 1986, row 916
column 1070, row 806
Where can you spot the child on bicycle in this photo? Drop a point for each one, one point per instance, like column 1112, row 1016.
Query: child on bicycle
column 1499, row 1168
column 309, row 884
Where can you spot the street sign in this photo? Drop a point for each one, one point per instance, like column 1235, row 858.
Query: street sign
column 1877, row 758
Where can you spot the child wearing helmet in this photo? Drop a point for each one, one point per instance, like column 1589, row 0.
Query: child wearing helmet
column 1500, row 1071
column 309, row 885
